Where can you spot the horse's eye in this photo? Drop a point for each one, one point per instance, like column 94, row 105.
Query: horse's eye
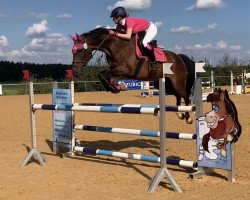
column 215, row 108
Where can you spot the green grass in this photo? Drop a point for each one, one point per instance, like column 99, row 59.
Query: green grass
column 14, row 89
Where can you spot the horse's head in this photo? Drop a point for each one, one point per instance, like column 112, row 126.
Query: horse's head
column 84, row 45
column 219, row 109
column 81, row 55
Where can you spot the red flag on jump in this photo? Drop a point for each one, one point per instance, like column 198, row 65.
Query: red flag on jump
column 26, row 74
column 69, row 73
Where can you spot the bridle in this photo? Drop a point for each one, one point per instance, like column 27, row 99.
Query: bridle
column 85, row 48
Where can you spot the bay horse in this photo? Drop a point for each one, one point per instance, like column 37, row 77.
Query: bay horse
column 123, row 62
column 222, row 121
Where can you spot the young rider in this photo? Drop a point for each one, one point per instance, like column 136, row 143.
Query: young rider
column 133, row 25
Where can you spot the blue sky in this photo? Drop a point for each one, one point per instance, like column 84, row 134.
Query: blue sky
column 37, row 30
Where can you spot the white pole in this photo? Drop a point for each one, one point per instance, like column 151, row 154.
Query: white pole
column 163, row 171
column 232, row 82
column 212, row 80
column 34, row 152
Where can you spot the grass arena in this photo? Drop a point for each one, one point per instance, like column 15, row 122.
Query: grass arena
column 101, row 177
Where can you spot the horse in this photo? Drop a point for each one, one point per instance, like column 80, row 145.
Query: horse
column 222, row 121
column 123, row 62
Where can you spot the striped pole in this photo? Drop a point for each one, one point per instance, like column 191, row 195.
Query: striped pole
column 153, row 93
column 206, row 87
column 150, row 133
column 146, row 158
column 117, row 105
column 113, row 109
column 206, row 82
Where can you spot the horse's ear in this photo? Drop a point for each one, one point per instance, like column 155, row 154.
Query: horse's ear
column 72, row 37
column 79, row 37
column 215, row 91
column 222, row 96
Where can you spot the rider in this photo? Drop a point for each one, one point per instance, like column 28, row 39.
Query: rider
column 135, row 25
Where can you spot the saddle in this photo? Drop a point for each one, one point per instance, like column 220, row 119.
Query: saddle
column 139, row 49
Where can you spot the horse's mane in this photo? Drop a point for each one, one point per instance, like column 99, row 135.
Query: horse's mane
column 233, row 111
column 96, row 33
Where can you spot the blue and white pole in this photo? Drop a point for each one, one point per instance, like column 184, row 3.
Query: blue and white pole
column 149, row 133
column 113, row 109
column 146, row 158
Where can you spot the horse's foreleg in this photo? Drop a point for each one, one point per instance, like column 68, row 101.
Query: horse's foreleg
column 106, row 79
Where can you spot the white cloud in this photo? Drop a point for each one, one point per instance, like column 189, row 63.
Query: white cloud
column 207, row 5
column 192, row 31
column 39, row 16
column 211, row 50
column 224, row 46
column 3, row 41
column 1, row 53
column 199, row 47
column 51, row 43
column 107, row 26
column 182, row 29
column 44, row 47
column 64, row 16
column 211, row 27
column 219, row 46
column 17, row 54
column 132, row 5
column 37, row 29
column 158, row 24
column 54, row 48
column 177, row 49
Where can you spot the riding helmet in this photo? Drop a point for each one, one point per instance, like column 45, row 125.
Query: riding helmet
column 118, row 12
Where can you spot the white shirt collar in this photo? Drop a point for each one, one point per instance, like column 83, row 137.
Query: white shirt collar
column 123, row 21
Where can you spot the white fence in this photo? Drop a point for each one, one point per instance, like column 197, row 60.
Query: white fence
column 22, row 88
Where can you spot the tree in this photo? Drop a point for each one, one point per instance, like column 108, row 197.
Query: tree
column 227, row 61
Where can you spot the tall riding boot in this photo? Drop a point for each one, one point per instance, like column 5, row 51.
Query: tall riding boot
column 153, row 63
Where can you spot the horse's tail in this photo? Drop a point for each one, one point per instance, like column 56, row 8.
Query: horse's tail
column 234, row 113
column 191, row 72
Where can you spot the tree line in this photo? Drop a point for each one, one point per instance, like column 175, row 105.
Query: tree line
column 13, row 72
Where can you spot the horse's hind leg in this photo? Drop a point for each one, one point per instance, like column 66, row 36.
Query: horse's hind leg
column 178, row 103
column 187, row 114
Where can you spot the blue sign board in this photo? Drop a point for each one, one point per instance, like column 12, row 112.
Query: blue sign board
column 132, row 84
column 62, row 120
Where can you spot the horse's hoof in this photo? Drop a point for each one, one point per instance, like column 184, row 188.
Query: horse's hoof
column 189, row 121
column 115, row 91
column 223, row 153
column 180, row 115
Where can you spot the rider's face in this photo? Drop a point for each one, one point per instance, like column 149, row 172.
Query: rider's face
column 117, row 19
